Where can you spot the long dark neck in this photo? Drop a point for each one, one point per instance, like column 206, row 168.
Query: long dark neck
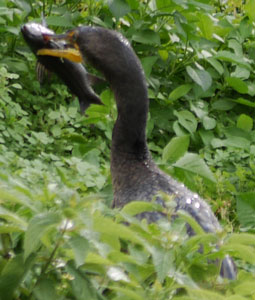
column 110, row 53
column 129, row 134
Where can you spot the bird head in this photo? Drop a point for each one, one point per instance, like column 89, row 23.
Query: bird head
column 106, row 50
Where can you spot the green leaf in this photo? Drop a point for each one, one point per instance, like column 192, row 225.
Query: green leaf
column 191, row 221
column 233, row 58
column 163, row 54
column 146, row 36
column 56, row 130
column 77, row 138
column 201, row 237
column 61, row 21
column 17, row 86
column 164, row 5
column 176, row 148
column 206, row 25
column 163, row 260
column 136, row 207
column 118, row 8
column 206, row 136
column 10, row 229
column 187, row 120
column 37, row 227
column 109, row 227
column 179, row 92
column 80, row 247
column 201, row 77
column 245, row 122
column 245, row 288
column 232, row 141
column 196, row 165
column 134, row 4
column 243, row 74
column 45, row 289
column 223, row 104
column 244, row 102
column 244, row 252
column 147, row 63
column 236, row 46
column 12, row 275
column 120, row 257
column 202, row 294
column 178, row 129
column 54, row 115
column 12, row 217
column 94, row 258
column 237, row 297
column 241, row 238
column 42, row 137
column 216, row 64
column 249, row 8
column 209, row 123
column 246, row 209
column 237, row 84
column 130, row 294
column 82, row 287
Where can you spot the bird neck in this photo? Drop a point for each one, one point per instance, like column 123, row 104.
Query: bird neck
column 129, row 133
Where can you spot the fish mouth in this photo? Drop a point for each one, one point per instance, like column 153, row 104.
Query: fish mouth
column 69, row 49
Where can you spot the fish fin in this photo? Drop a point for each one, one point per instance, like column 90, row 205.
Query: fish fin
column 44, row 23
column 93, row 79
column 41, row 72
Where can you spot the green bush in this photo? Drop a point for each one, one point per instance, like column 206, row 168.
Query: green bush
column 59, row 237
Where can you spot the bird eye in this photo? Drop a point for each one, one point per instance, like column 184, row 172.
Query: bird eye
column 73, row 35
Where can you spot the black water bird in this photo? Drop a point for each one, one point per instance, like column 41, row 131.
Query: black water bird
column 135, row 176
column 73, row 74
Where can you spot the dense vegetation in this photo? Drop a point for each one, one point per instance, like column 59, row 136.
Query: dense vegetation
column 59, row 237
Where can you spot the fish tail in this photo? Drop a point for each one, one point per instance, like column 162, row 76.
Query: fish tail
column 228, row 268
column 85, row 102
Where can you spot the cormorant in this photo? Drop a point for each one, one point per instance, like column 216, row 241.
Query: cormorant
column 135, row 176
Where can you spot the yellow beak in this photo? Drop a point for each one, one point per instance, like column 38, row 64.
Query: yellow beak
column 70, row 53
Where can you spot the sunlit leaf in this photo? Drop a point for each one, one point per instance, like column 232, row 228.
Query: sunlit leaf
column 80, row 247
column 45, row 289
column 237, row 84
column 136, row 207
column 119, row 8
column 246, row 209
column 231, row 57
column 12, row 275
column 163, row 260
column 176, row 148
column 146, row 36
column 245, row 122
column 148, row 63
column 201, row 77
column 179, row 92
column 187, row 120
column 194, row 164
column 250, row 9
column 37, row 228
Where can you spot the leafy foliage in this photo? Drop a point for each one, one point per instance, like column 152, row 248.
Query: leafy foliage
column 59, row 237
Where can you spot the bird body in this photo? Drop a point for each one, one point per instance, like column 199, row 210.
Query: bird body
column 134, row 174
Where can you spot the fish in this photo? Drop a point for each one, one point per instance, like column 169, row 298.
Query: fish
column 72, row 73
